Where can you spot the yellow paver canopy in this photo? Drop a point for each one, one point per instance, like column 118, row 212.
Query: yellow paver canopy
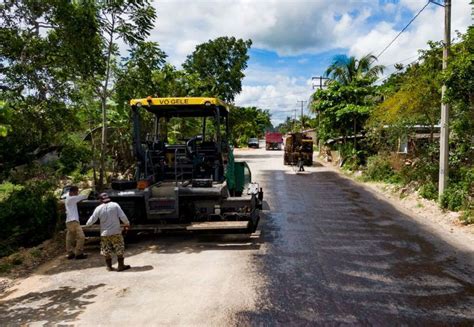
column 170, row 103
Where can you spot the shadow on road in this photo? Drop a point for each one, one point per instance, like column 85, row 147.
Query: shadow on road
column 159, row 244
column 64, row 304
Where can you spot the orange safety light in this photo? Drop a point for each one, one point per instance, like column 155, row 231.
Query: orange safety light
column 143, row 184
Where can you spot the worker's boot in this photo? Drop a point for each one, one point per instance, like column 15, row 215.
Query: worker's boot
column 121, row 265
column 81, row 256
column 108, row 262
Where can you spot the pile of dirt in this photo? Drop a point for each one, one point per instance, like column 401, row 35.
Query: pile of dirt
column 25, row 260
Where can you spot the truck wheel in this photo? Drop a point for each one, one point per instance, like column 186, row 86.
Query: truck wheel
column 131, row 237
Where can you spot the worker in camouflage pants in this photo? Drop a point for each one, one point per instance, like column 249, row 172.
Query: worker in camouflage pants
column 111, row 240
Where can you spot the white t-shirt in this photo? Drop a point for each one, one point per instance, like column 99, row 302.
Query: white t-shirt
column 110, row 214
column 72, row 214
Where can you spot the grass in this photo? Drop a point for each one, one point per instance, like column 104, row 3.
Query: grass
column 5, row 267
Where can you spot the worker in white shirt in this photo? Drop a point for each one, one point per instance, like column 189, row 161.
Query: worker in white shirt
column 74, row 236
column 111, row 240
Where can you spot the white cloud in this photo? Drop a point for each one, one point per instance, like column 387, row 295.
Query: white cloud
column 287, row 27
column 429, row 25
column 278, row 92
column 299, row 27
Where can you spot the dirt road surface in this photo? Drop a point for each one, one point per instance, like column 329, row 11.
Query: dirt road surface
column 328, row 251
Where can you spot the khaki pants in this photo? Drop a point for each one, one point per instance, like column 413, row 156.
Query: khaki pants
column 74, row 238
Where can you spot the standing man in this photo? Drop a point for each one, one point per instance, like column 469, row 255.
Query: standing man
column 74, row 236
column 111, row 240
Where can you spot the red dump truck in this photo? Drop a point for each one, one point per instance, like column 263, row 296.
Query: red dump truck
column 273, row 141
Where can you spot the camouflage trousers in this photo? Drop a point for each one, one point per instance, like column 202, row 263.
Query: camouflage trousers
column 112, row 244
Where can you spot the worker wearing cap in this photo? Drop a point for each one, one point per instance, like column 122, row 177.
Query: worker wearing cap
column 74, row 236
column 111, row 240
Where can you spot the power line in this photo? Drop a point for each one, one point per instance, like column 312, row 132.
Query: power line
column 400, row 61
column 403, row 30
column 383, row 78
column 280, row 96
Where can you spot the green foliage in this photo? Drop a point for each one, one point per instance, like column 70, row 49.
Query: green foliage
column 7, row 188
column 28, row 216
column 379, row 169
column 468, row 215
column 428, row 191
column 412, row 97
column 453, row 198
column 136, row 76
column 74, row 154
column 247, row 122
column 346, row 70
column 220, row 64
column 287, row 126
column 459, row 79
column 343, row 109
column 5, row 267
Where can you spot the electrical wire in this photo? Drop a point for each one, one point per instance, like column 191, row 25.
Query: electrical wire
column 403, row 30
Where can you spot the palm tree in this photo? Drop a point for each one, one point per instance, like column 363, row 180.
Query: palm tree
column 345, row 69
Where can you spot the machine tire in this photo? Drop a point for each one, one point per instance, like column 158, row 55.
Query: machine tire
column 131, row 237
column 120, row 185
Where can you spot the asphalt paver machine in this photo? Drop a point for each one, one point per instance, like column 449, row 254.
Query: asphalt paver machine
column 186, row 177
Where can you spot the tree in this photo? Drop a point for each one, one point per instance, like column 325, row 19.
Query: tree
column 345, row 69
column 345, row 105
column 220, row 64
column 343, row 109
column 136, row 75
column 459, row 79
column 131, row 22
column 247, row 122
column 412, row 97
column 43, row 56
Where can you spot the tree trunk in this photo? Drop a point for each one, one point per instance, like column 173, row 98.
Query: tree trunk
column 103, row 143
column 103, row 100
column 355, row 131
column 94, row 162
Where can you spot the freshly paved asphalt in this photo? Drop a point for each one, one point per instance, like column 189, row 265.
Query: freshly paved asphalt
column 337, row 254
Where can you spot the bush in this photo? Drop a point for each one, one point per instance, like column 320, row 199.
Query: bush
column 7, row 188
column 379, row 169
column 74, row 155
column 421, row 170
column 429, row 191
column 454, row 198
column 28, row 216
column 468, row 216
column 34, row 171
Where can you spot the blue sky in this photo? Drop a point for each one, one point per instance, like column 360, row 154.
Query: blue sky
column 295, row 40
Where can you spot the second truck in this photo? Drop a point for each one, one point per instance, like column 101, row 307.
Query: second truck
column 273, row 141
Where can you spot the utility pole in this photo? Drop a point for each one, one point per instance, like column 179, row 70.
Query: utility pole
column 302, row 105
column 294, row 120
column 444, row 137
column 322, row 83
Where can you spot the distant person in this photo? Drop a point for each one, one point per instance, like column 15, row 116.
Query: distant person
column 74, row 236
column 300, row 164
column 111, row 240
